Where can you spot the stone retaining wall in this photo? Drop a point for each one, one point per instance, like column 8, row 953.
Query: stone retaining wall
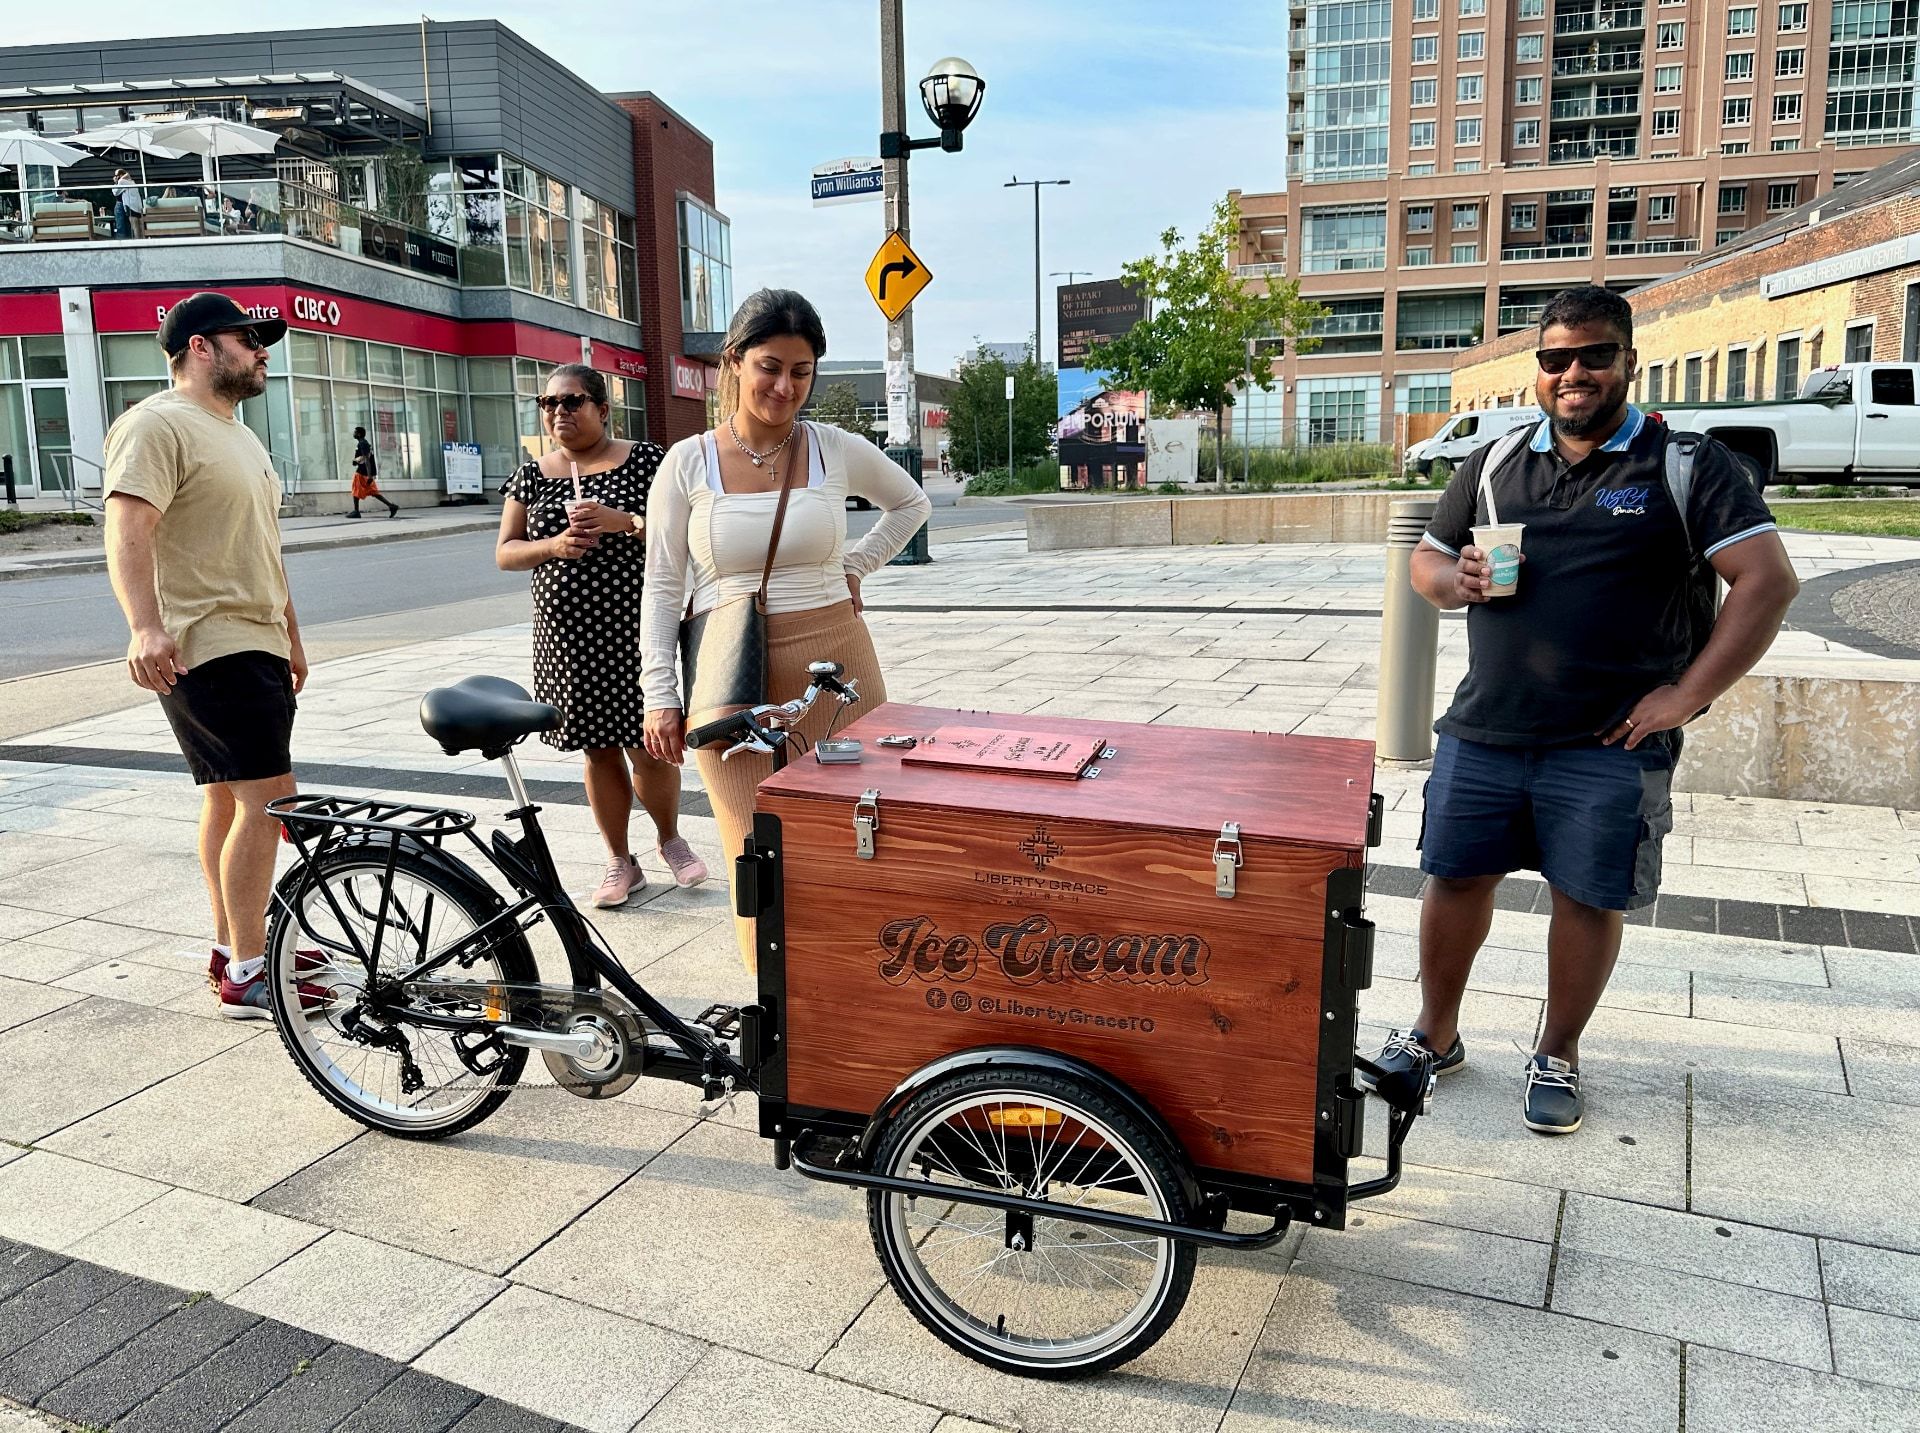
column 1178, row 522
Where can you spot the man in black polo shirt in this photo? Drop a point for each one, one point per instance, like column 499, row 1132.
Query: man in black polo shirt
column 1557, row 754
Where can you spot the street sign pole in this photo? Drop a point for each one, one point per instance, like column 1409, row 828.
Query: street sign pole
column 903, row 443
column 1009, row 432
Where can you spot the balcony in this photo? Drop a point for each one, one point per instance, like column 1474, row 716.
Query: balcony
column 1594, row 107
column 1599, row 21
column 1297, row 123
column 1297, row 40
column 1342, row 325
column 1623, row 61
column 253, row 208
column 1526, row 253
column 1514, row 317
column 1296, row 83
column 1568, row 234
column 1275, row 270
column 1625, row 248
column 1572, row 151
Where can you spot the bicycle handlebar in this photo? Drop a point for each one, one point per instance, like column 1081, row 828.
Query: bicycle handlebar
column 766, row 727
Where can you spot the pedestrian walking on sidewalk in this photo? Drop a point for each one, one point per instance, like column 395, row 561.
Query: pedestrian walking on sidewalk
column 576, row 520
column 1558, row 752
column 366, row 473
column 193, row 549
column 759, row 506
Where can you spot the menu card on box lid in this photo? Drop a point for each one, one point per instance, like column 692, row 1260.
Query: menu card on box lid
column 1027, row 753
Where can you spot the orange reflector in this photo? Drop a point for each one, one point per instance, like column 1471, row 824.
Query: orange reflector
column 495, row 1004
column 1024, row 1117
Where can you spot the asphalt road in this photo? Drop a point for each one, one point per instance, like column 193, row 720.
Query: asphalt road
column 49, row 624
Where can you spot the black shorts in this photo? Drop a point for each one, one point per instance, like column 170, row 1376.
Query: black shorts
column 233, row 718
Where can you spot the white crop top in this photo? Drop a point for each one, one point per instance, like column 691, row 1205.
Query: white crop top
column 704, row 541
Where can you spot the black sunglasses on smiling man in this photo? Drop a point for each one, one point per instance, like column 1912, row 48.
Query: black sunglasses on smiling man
column 554, row 402
column 1594, row 357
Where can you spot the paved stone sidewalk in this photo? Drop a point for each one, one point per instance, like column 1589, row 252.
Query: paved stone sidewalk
column 1731, row 1233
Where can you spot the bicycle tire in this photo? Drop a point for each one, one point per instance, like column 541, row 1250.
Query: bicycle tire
column 446, row 880
column 900, row 1255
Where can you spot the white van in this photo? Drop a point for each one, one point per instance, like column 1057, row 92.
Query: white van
column 1463, row 433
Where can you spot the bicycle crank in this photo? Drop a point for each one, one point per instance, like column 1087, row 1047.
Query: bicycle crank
column 614, row 1051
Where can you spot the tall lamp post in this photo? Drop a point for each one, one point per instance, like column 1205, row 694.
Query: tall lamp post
column 1036, row 185
column 951, row 95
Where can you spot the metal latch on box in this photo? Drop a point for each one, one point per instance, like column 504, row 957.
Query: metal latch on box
column 866, row 820
column 1227, row 857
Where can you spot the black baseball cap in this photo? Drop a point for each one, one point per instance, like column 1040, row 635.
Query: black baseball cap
column 205, row 314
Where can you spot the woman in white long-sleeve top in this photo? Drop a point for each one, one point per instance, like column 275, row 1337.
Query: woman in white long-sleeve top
column 710, row 520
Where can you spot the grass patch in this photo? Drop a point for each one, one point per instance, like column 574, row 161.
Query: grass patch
column 1263, row 469
column 1892, row 517
column 13, row 520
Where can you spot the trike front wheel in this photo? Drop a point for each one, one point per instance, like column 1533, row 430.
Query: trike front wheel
column 1040, row 1295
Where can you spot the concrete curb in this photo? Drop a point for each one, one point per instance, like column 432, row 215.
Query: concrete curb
column 93, row 562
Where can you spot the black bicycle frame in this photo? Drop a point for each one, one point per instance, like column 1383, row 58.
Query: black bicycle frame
column 528, row 865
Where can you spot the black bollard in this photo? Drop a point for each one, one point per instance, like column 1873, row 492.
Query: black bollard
column 6, row 479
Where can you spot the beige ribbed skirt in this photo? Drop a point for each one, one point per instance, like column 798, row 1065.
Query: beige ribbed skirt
column 793, row 640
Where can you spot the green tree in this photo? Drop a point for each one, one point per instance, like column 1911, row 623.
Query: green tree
column 977, row 412
column 839, row 405
column 1191, row 353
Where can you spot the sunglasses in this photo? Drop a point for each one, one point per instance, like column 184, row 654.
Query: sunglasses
column 1594, row 357
column 568, row 402
column 248, row 336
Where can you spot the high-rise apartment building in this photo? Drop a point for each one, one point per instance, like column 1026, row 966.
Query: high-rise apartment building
column 1453, row 163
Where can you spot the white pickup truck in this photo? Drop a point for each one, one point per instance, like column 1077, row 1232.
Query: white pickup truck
column 1852, row 423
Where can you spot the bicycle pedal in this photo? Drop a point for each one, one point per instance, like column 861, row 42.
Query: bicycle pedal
column 722, row 1020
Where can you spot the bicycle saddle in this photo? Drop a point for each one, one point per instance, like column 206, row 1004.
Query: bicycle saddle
column 487, row 714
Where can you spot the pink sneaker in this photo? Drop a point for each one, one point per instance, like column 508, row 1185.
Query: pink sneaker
column 688, row 869
column 623, row 877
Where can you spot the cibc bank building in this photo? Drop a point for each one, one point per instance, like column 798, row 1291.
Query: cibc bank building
column 440, row 212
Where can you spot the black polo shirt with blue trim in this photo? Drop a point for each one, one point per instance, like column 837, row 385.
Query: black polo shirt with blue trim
column 1600, row 615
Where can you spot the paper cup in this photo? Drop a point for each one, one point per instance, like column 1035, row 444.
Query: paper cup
column 1501, row 543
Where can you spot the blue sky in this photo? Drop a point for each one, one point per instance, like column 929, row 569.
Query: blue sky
column 1153, row 110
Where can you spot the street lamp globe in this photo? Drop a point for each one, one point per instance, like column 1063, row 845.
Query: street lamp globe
column 951, row 92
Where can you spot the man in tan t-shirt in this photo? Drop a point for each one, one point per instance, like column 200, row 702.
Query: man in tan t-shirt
column 193, row 547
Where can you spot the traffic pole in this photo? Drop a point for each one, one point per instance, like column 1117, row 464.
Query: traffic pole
column 903, row 442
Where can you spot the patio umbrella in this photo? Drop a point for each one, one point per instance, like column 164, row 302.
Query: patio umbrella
column 19, row 148
column 214, row 137
column 136, row 135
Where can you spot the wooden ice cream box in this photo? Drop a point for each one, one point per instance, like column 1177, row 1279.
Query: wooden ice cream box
column 1179, row 907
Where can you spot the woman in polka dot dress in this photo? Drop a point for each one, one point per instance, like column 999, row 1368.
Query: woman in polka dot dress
column 588, row 558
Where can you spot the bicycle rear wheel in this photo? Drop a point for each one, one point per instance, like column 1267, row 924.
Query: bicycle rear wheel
column 388, row 1073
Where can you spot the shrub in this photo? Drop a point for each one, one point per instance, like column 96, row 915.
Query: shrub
column 1032, row 478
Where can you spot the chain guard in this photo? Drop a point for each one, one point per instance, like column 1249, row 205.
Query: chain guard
column 558, row 1009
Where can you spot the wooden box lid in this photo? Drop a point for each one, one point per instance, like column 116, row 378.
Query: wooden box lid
column 1310, row 790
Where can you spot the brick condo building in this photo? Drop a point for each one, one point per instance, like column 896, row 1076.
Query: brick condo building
column 1452, row 163
column 1836, row 280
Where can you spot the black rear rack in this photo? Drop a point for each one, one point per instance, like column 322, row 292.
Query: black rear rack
column 325, row 817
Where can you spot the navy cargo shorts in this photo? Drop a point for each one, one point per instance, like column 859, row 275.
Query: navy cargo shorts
column 1589, row 818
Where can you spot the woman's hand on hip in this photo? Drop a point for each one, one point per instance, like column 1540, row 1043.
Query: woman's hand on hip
column 853, row 589
column 666, row 735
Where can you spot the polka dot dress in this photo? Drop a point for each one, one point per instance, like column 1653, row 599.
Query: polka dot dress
column 586, row 612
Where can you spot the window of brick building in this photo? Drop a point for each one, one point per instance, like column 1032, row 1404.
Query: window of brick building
column 1465, row 254
column 1789, row 64
column 1423, row 92
column 1533, row 9
column 1857, row 347
column 1666, row 79
column 1523, row 215
column 1426, row 49
column 1526, row 90
column 1473, row 7
column 1420, row 218
column 1421, row 257
column 1672, row 35
column 1526, row 134
column 1666, row 122
column 1660, row 209
column 1726, row 236
column 1736, row 111
column 1426, row 9
column 1782, row 194
column 1466, row 166
column 1466, row 89
column 1786, row 368
column 1743, row 20
column 1656, row 383
column 1472, row 45
column 1782, row 146
column 1421, row 134
column 1528, row 49
column 1420, row 171
column 1690, row 377
column 1786, row 108
column 1733, row 198
column 1793, row 18
column 1736, row 374
column 1466, row 131
column 1740, row 66
column 1465, row 216
column 1735, row 146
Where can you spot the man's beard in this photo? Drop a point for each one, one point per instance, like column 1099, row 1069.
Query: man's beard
column 1589, row 424
column 238, row 381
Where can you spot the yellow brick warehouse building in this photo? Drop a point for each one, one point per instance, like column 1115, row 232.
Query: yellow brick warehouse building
column 1836, row 279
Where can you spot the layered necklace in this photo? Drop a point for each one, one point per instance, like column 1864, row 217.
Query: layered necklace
column 760, row 460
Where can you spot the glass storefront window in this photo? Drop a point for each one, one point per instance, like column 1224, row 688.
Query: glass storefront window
column 383, row 363
column 309, row 352
column 131, row 355
column 706, row 268
column 9, row 358
column 490, row 375
column 446, row 373
column 349, row 358
column 314, row 419
column 46, row 356
column 14, row 437
column 419, row 368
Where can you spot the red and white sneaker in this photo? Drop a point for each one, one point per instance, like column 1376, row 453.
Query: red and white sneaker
column 249, row 1001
